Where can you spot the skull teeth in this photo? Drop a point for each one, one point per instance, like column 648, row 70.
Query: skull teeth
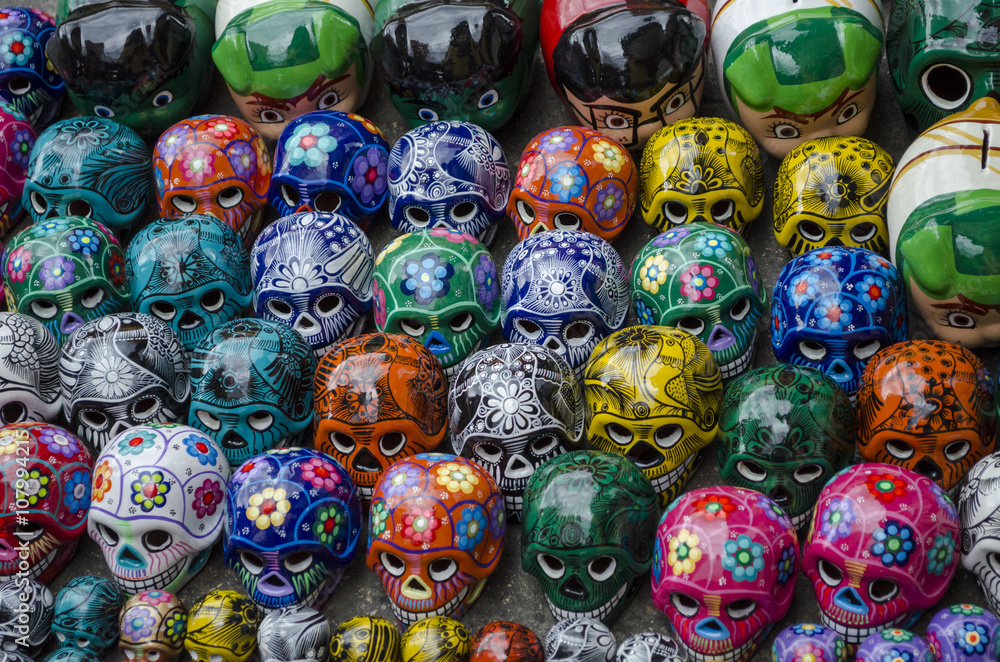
column 799, row 520
column 160, row 581
column 735, row 655
column 408, row 618
column 365, row 492
column 36, row 571
column 600, row 613
column 667, row 480
column 742, row 362
column 513, row 503
column 452, row 370
column 853, row 635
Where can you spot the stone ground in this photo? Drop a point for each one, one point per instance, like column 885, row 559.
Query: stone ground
column 512, row 594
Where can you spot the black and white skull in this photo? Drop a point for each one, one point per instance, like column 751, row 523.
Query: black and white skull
column 29, row 371
column 979, row 510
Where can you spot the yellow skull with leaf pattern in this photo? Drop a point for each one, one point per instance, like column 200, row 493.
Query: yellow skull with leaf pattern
column 223, row 625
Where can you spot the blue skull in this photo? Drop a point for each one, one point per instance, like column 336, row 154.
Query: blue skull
column 251, row 383
column 566, row 290
column 330, row 161
column 92, row 167
column 313, row 272
column 448, row 175
column 191, row 272
column 833, row 308
column 26, row 80
column 293, row 521
column 86, row 614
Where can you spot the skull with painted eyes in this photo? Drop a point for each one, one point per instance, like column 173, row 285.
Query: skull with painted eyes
column 153, row 625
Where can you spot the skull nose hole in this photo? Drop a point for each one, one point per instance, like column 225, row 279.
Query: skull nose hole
column 189, row 320
column 233, row 440
column 415, row 589
column 720, row 339
column 712, row 628
column 574, row 589
column 518, row 467
column 929, row 468
column 129, row 559
column 848, row 599
column 644, row 456
column 781, row 496
column 275, row 580
column 839, row 371
column 554, row 345
column 835, row 242
column 366, row 462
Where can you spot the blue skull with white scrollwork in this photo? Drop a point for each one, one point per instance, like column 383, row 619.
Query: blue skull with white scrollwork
column 251, row 387
column 191, row 272
column 330, row 161
column 833, row 308
column 293, row 522
column 27, row 81
column 313, row 273
column 86, row 614
column 566, row 290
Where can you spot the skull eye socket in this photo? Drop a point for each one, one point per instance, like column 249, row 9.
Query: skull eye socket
column 83, row 643
column 691, row 324
column 393, row 564
column 417, row 216
column 528, row 329
column 153, row 656
column 391, row 443
column 866, row 349
column 551, row 566
column 163, row 310
column 863, row 232
column 489, row 453
column 441, row 570
column 812, row 350
column 741, row 609
column 252, row 562
column 740, row 309
column 94, row 419
column 956, row 450
column 675, row 212
column 667, row 436
column 260, row 421
column 899, row 449
column 460, row 322
column 108, row 534
column 685, row 604
column 807, row 474
column 579, row 333
column 13, row 412
column 289, row 195
column 618, row 433
column 297, row 562
column 19, row 85
column 229, row 197
column 811, row 231
column 29, row 531
column 829, row 573
column 44, row 309
column 525, row 211
column 185, row 204
column 279, row 309
column 213, row 300
column 961, row 321
column 38, row 203
column 463, row 212
column 946, row 86
column 342, row 442
column 328, row 201
column 329, row 305
column 79, row 208
column 567, row 221
column 145, row 408
column 602, row 568
column 751, row 471
column 723, row 210
column 156, row 540
column 92, row 298
column 209, row 420
column 544, row 445
column 412, row 328
column 882, row 590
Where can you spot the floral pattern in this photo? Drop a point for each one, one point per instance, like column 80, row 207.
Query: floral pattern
column 309, row 144
column 369, row 174
column 714, row 507
column 487, row 288
column 320, row 474
column 402, row 481
column 567, row 181
column 833, row 314
column 419, row 526
column 528, row 170
column 176, row 626
column 684, row 553
column 942, row 554
column 802, row 288
column 58, row 443
column 379, row 515
column 454, row 236
column 173, row 141
column 654, row 273
column 427, row 278
column 116, row 268
column 201, row 448
column 137, row 624
column 155, row 597
column 699, row 283
column 837, row 519
column 198, row 163
column 897, row 635
column 57, row 272
column 698, row 179
column 84, row 241
column 967, row 610
column 243, row 159
column 36, row 486
column 773, row 512
column 48, row 228
column 21, row 149
column 786, row 564
column 713, row 244
column 874, row 293
column 19, row 263
column 76, row 495
column 886, row 487
column 557, row 140
column 644, row 313
column 609, row 202
column 743, row 559
column 608, row 155
column 150, row 490
column 328, row 524
column 456, row 477
column 207, row 498
column 378, row 300
column 136, row 443
column 471, row 529
column 824, row 257
column 671, row 237
column 223, row 129
column 972, row 639
column 268, row 507
column 893, row 543
column 102, row 481
column 810, row 652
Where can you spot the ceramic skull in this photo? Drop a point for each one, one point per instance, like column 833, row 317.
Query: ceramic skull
column 251, row 387
column 834, row 308
column 589, row 520
column 882, row 547
column 17, row 138
column 435, row 639
column 895, row 643
column 222, row 626
column 366, row 639
column 29, row 371
column 437, row 529
column 797, row 641
column 653, row 395
column 293, row 634
column 724, row 570
column 511, row 408
column 504, row 641
column 313, row 272
column 86, row 614
column 46, row 485
column 26, row 609
column 580, row 639
column 964, row 633
column 119, row 371
column 702, row 278
column 565, row 290
column 292, row 526
column 28, row 81
column 448, row 175
column 439, row 286
column 157, row 505
column 980, row 517
column 153, row 626
column 378, row 398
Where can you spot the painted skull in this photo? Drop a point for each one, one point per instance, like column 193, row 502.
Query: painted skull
column 119, row 371
column 784, row 431
column 942, row 57
column 964, row 633
column 65, row 272
column 86, row 614
column 833, row 309
column 378, row 398
column 448, row 175
column 439, row 286
column 61, row 655
column 293, row 634
column 979, row 506
column 795, row 642
column 313, row 273
column 511, row 408
column 701, row 169
column 435, row 639
column 437, row 531
column 190, row 272
column 894, row 644
column 366, row 639
column 650, row 647
column 26, row 609
column 153, row 626
column 881, row 548
column 329, row 161
column 833, row 192
column 653, row 395
column 90, row 167
column 928, row 406
column 27, row 80
column 17, row 138
column 46, row 478
column 251, row 387
column 145, row 63
column 29, row 371
column 724, row 570
column 589, row 520
column 503, row 641
column 702, row 279
column 292, row 526
column 157, row 505
column 222, row 626
column 580, row 640
column 213, row 164
column 565, row 290
column 572, row 178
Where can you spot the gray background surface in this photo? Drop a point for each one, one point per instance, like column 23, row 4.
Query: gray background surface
column 512, row 594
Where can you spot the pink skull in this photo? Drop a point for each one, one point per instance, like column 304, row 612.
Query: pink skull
column 883, row 546
column 724, row 569
column 17, row 137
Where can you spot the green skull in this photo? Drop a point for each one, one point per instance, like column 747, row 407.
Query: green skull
column 589, row 522
column 439, row 286
column 784, row 431
column 702, row 278
column 65, row 272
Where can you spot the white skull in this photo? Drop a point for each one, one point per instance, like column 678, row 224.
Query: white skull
column 979, row 510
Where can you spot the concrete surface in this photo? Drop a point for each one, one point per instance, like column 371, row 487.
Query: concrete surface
column 511, row 593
